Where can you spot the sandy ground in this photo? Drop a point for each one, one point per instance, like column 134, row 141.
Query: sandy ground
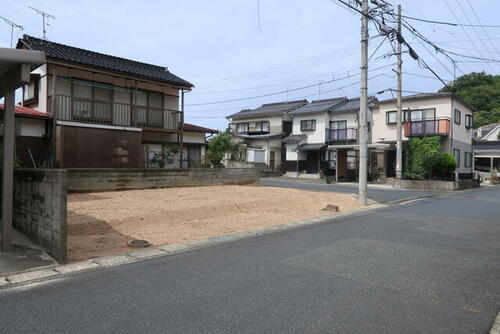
column 101, row 224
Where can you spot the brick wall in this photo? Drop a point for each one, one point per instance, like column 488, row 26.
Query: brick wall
column 40, row 208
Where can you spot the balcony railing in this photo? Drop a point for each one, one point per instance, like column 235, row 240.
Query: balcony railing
column 433, row 127
column 70, row 108
column 348, row 134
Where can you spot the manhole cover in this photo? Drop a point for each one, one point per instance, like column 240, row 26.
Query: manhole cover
column 138, row 243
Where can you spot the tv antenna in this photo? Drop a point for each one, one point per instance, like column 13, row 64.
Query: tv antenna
column 12, row 26
column 44, row 16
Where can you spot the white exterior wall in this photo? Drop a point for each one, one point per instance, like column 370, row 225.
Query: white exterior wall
column 30, row 127
column 313, row 137
column 194, row 138
column 462, row 137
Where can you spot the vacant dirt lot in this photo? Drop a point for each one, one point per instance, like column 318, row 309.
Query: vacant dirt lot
column 102, row 223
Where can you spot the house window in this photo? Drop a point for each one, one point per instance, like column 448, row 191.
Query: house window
column 457, row 116
column 262, row 126
column 332, row 159
column 468, row 121
column 456, row 154
column 422, row 114
column 242, row 127
column 351, row 159
column 390, row 117
column 335, row 125
column 467, row 159
column 308, row 125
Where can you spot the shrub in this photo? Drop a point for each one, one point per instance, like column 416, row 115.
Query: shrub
column 165, row 157
column 427, row 161
column 218, row 146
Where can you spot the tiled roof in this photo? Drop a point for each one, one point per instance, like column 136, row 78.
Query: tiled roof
column 294, row 138
column 85, row 57
column 195, row 128
column 28, row 112
column 353, row 105
column 318, row 106
column 486, row 129
column 270, row 109
column 423, row 96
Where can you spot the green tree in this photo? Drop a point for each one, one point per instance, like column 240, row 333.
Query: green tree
column 426, row 160
column 482, row 91
column 165, row 157
column 218, row 146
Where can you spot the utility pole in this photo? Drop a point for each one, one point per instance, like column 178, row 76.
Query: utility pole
column 12, row 26
column 363, row 106
column 399, row 142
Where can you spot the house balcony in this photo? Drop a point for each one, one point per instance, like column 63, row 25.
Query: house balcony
column 337, row 135
column 68, row 108
column 433, row 127
column 261, row 128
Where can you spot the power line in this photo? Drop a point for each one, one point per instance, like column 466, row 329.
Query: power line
column 275, row 93
column 449, row 23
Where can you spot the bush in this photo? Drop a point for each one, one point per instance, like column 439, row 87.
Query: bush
column 218, row 146
column 427, row 161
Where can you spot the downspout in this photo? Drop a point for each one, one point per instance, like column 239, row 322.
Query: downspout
column 54, row 120
column 181, row 133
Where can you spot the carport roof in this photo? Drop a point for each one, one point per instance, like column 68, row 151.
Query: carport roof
column 311, row 147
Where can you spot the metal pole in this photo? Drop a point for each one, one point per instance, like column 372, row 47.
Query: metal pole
column 181, row 133
column 297, row 150
column 399, row 142
column 363, row 103
column 8, row 170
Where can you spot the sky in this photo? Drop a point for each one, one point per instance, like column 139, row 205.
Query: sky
column 250, row 52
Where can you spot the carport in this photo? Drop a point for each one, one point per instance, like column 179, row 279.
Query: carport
column 15, row 68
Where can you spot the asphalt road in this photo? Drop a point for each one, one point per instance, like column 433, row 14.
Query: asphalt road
column 378, row 195
column 429, row 266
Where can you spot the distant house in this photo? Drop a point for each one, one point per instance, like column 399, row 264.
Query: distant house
column 106, row 111
column 324, row 139
column 262, row 129
column 487, row 148
column 432, row 114
column 32, row 135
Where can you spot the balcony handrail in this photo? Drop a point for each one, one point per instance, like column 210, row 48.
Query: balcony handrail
column 428, row 119
column 113, row 112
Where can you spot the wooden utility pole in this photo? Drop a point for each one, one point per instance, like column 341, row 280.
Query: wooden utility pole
column 363, row 106
column 399, row 102
column 181, row 133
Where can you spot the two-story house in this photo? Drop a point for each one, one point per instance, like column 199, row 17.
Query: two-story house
column 324, row 139
column 106, row 110
column 262, row 129
column 487, row 148
column 430, row 114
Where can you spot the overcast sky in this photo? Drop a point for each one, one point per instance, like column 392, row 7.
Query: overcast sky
column 245, row 48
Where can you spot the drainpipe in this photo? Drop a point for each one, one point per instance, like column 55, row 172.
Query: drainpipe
column 181, row 133
column 297, row 150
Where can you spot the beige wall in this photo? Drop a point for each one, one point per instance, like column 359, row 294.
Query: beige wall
column 275, row 122
column 459, row 137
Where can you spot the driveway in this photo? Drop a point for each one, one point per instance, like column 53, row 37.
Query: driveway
column 375, row 194
column 429, row 266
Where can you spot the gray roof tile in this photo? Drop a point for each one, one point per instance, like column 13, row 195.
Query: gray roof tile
column 91, row 58
column 318, row 106
column 269, row 109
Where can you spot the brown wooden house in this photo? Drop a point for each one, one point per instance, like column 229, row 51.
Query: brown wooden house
column 106, row 110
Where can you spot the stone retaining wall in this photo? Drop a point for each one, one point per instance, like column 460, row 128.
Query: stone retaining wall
column 39, row 208
column 81, row 180
column 435, row 185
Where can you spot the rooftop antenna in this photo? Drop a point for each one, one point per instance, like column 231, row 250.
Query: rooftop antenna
column 12, row 26
column 44, row 16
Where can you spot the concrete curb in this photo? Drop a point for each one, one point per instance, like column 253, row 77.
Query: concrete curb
column 60, row 271
column 495, row 329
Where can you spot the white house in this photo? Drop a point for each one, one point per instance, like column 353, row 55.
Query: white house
column 262, row 129
column 487, row 148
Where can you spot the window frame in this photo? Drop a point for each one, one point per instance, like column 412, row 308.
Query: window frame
column 457, row 120
column 247, row 126
column 387, row 113
column 456, row 154
column 306, row 121
column 338, row 122
column 467, row 159
column 469, row 120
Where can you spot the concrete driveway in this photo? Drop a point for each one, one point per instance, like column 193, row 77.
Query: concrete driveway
column 375, row 193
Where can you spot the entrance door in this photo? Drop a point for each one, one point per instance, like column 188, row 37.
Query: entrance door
column 391, row 163
column 312, row 162
column 271, row 159
column 194, row 156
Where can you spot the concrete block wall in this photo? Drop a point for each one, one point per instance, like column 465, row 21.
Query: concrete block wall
column 40, row 204
column 102, row 179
